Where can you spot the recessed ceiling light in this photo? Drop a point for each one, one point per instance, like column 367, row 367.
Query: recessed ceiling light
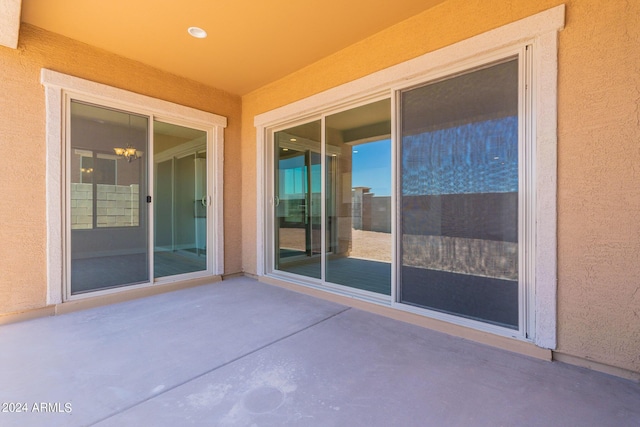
column 197, row 32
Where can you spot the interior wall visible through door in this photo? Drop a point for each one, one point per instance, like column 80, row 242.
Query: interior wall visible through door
column 180, row 218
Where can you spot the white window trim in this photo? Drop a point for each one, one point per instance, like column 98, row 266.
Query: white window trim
column 57, row 85
column 539, row 30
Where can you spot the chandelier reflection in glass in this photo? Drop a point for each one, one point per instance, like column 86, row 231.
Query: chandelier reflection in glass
column 129, row 153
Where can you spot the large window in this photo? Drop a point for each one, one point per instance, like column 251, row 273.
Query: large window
column 434, row 194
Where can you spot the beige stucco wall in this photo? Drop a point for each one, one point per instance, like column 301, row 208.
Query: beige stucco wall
column 22, row 140
column 598, row 152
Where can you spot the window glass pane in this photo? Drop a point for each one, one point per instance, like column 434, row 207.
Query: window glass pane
column 105, row 170
column 358, row 194
column 180, row 226
column 459, row 195
column 108, row 199
column 297, row 207
column 81, row 194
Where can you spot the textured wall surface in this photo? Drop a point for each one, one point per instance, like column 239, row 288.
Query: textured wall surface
column 598, row 152
column 22, row 126
column 599, row 183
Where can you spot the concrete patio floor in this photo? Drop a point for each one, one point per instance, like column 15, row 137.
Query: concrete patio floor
column 243, row 353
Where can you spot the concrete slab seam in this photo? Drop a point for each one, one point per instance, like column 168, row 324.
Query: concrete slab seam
column 123, row 410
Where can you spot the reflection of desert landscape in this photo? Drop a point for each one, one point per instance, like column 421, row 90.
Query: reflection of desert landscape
column 372, row 245
column 292, row 238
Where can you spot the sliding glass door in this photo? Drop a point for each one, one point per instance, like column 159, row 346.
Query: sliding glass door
column 355, row 178
column 110, row 204
column 108, row 228
column 454, row 216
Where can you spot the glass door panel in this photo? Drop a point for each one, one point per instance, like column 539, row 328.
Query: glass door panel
column 459, row 195
column 297, row 197
column 358, row 206
column 181, row 202
column 107, row 196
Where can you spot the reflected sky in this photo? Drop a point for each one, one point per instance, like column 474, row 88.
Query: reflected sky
column 371, row 165
column 480, row 157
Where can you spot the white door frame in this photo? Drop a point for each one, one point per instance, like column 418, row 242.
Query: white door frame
column 57, row 87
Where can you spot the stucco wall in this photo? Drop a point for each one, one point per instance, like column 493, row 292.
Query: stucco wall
column 22, row 136
column 598, row 152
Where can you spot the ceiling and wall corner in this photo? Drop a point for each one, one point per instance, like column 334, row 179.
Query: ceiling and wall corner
column 250, row 43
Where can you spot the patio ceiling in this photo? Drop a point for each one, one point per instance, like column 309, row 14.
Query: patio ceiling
column 250, row 43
